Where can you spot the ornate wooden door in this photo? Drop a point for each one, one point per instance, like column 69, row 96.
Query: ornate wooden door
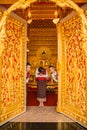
column 12, row 70
column 72, row 88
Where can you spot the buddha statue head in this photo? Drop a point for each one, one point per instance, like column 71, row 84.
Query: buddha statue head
column 43, row 55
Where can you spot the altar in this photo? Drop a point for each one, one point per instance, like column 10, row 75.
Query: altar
column 43, row 59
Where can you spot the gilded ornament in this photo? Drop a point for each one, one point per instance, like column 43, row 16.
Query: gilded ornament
column 74, row 77
column 43, row 53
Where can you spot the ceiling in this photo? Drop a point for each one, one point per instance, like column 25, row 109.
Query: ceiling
column 42, row 12
column 43, row 9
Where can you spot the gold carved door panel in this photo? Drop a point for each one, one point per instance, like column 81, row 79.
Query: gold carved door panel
column 72, row 96
column 12, row 70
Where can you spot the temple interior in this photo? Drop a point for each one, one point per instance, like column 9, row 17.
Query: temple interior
column 43, row 33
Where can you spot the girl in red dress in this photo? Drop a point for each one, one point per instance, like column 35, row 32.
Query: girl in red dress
column 41, row 76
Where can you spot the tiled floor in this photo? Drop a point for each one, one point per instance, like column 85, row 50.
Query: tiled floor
column 41, row 114
column 41, row 118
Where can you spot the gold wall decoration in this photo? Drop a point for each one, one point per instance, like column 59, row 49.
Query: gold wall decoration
column 73, row 77
column 42, row 40
column 12, row 70
column 43, row 53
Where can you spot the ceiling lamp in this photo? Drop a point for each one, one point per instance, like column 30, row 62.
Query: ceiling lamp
column 29, row 21
column 29, row 17
column 56, row 19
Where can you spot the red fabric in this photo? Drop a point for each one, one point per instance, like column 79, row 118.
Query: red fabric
column 41, row 78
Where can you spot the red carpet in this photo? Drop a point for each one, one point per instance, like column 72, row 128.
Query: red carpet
column 32, row 99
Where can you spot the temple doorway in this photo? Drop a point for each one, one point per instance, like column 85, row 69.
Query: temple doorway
column 42, row 51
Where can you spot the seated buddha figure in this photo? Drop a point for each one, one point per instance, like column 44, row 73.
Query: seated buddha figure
column 44, row 60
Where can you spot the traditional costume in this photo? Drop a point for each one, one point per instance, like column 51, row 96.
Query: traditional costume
column 41, row 77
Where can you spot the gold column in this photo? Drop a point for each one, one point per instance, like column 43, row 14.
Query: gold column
column 85, row 51
column 86, row 86
column 1, row 50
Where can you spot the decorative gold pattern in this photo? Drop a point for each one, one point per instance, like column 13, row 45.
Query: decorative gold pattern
column 47, row 52
column 12, row 73
column 73, row 72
